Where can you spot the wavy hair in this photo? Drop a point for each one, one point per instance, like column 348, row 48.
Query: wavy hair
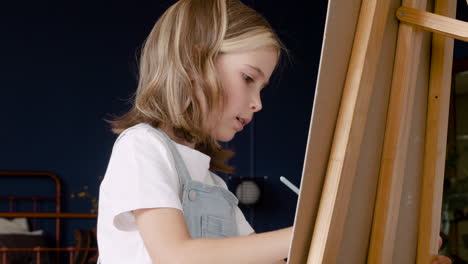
column 178, row 58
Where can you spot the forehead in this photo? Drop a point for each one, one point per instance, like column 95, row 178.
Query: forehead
column 264, row 59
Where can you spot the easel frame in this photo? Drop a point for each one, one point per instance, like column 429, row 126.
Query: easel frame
column 334, row 165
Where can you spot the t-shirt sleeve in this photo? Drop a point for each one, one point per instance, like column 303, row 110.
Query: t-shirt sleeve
column 243, row 226
column 140, row 174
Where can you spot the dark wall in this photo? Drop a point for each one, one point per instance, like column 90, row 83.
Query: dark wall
column 461, row 48
column 67, row 66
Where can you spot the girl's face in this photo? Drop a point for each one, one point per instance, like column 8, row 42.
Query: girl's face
column 243, row 75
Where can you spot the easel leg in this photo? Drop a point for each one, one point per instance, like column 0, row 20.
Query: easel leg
column 397, row 134
column 436, row 138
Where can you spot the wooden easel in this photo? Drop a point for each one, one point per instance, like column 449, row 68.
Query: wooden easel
column 371, row 190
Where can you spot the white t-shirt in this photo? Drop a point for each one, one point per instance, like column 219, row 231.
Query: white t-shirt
column 141, row 174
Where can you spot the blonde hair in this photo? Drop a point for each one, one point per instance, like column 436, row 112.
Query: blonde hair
column 178, row 58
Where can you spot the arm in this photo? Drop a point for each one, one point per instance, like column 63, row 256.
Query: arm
column 278, row 262
column 167, row 240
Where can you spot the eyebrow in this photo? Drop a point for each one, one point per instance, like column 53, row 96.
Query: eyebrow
column 259, row 71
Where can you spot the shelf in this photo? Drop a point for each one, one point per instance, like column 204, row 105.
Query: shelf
column 43, row 249
column 49, row 215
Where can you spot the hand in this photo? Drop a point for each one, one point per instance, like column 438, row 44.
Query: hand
column 439, row 259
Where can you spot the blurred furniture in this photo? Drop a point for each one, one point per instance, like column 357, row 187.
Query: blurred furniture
column 26, row 246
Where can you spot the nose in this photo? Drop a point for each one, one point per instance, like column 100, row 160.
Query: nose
column 256, row 103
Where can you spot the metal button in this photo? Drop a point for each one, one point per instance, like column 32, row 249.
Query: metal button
column 192, row 195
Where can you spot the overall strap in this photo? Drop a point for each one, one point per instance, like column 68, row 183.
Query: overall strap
column 182, row 171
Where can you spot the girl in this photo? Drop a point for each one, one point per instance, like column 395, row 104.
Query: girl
column 202, row 69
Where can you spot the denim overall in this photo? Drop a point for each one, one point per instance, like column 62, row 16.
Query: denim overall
column 209, row 210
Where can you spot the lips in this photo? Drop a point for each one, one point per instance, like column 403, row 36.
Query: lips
column 242, row 122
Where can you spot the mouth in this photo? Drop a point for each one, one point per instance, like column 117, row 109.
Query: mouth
column 243, row 121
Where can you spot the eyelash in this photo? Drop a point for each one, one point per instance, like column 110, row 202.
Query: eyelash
column 247, row 78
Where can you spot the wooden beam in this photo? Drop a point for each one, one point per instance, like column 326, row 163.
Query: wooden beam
column 337, row 44
column 435, row 23
column 349, row 131
column 394, row 156
column 436, row 138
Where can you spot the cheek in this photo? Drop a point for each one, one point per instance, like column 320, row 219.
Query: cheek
column 230, row 106
column 240, row 97
column 229, row 94
column 233, row 82
column 236, row 93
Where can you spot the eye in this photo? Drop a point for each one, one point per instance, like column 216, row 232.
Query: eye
column 247, row 78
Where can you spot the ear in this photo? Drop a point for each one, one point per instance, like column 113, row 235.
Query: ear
column 196, row 48
column 196, row 52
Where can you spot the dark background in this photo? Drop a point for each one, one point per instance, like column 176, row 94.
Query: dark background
column 67, row 66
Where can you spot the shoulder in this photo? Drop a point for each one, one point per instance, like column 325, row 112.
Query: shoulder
column 140, row 131
column 141, row 155
column 141, row 136
column 140, row 145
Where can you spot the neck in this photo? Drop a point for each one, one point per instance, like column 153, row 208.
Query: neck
column 176, row 139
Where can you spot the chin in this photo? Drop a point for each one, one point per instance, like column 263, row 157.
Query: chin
column 225, row 137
